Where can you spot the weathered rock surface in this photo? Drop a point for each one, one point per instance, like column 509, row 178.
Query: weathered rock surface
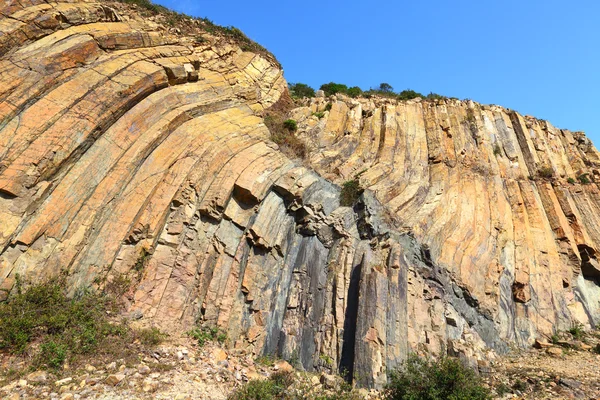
column 127, row 149
column 487, row 193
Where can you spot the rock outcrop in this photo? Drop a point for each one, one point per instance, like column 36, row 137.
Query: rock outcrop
column 506, row 205
column 128, row 149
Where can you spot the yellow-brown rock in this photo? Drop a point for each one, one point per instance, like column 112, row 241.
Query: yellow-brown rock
column 507, row 204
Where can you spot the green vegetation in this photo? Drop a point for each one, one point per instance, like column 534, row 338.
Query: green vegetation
column 583, row 179
column 328, row 107
column 300, row 90
column 571, row 181
column 497, row 150
column 471, row 121
column 151, row 336
column 64, row 327
column 354, row 91
column 188, row 25
column 576, row 331
column 290, row 125
column 332, row 88
column 546, row 172
column 445, row 379
column 351, row 191
column 319, row 114
column 288, row 386
column 205, row 334
column 283, row 134
column 409, row 94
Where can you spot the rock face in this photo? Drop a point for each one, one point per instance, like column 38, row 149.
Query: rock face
column 506, row 205
column 128, row 149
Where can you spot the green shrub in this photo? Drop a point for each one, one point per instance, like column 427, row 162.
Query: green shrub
column 354, row 91
column 351, row 191
column 546, row 172
column 571, row 181
column 205, row 334
column 471, row 120
column 65, row 326
column 151, row 336
column 52, row 354
column 332, row 88
column 554, row 338
column 497, row 150
column 319, row 114
column 328, row 107
column 435, row 96
column 284, row 135
column 385, row 87
column 300, row 90
column 409, row 94
column 583, row 179
column 596, row 348
column 269, row 389
column 576, row 331
column 290, row 125
column 287, row 386
column 445, row 379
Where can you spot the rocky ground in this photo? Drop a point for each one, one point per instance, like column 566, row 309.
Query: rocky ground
column 567, row 369
column 180, row 369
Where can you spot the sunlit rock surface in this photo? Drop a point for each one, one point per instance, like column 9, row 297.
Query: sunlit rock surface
column 128, row 149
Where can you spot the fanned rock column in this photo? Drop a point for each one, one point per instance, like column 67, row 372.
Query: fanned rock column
column 130, row 151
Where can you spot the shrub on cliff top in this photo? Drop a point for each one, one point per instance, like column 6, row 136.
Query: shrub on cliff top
column 332, row 88
column 444, row 379
column 300, row 90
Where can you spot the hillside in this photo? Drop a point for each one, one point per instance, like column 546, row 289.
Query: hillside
column 143, row 145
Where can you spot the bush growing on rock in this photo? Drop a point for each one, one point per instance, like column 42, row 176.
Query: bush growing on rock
column 282, row 133
column 444, row 379
column 409, row 94
column 290, row 125
column 351, row 191
column 354, row 91
column 332, row 88
column 546, row 172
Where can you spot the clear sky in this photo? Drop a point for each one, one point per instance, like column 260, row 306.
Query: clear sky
column 539, row 57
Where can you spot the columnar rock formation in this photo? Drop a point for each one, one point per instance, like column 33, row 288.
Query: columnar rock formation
column 506, row 204
column 131, row 150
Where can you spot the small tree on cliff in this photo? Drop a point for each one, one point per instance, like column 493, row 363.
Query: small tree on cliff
column 333, row 88
column 301, row 90
column 386, row 88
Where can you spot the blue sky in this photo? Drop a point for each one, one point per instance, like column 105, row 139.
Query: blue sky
column 540, row 58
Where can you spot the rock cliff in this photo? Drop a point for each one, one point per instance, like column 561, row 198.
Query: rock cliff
column 131, row 149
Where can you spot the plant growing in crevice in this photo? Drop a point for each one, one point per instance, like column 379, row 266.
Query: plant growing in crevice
column 471, row 121
column 546, row 172
column 351, row 191
column 583, row 179
column 497, row 150
column 291, row 125
column 571, row 181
